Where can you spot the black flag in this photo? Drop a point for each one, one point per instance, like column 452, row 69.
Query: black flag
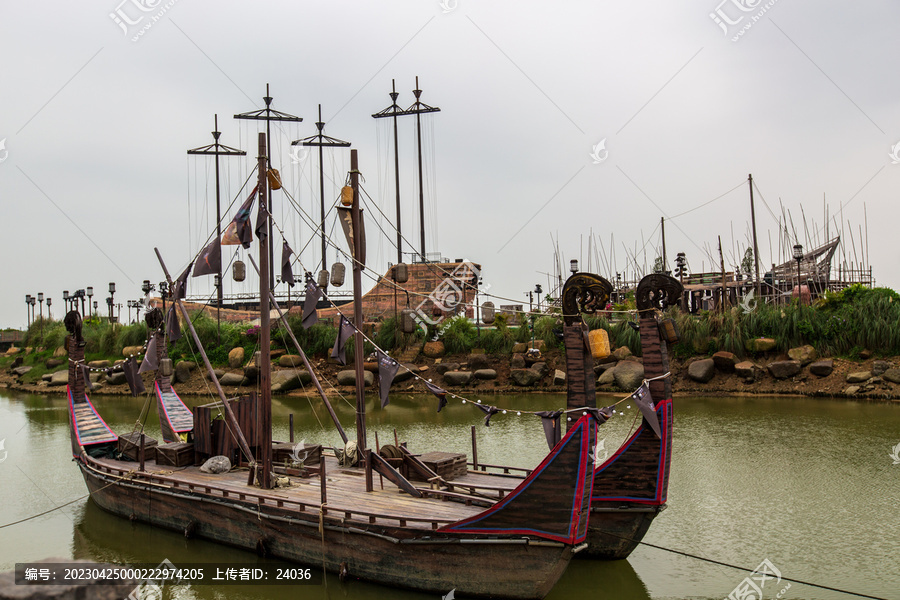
column 180, row 290
column 345, row 330
column 344, row 214
column 287, row 275
column 440, row 393
column 149, row 363
column 86, row 373
column 262, row 228
column 173, row 329
column 645, row 402
column 601, row 415
column 490, row 412
column 550, row 421
column 135, row 383
column 387, row 369
column 210, row 260
column 238, row 231
column 313, row 293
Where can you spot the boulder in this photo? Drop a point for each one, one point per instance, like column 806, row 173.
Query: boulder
column 95, row 377
column 859, row 376
column 804, row 354
column 19, row 371
column 760, row 345
column 236, row 358
column 348, row 377
column 892, row 375
column 523, row 377
column 290, row 360
column 132, row 351
column 879, row 367
column 182, row 372
column 219, row 373
column 60, row 377
column 559, row 378
column 251, row 373
column 52, row 363
column 725, row 361
column 608, row 377
column 486, row 374
column 628, row 375
column 541, row 369
column 13, row 350
column 702, row 370
column 46, row 376
column 17, row 362
column 442, row 368
column 433, row 349
column 478, row 361
column 60, row 352
column 519, row 348
column 231, row 379
column 405, row 372
column 851, row 390
column 517, row 361
column 457, row 377
column 782, row 369
column 216, row 464
column 603, row 368
column 822, row 368
column 865, row 354
column 285, row 381
column 99, row 364
column 621, row 353
column 745, row 369
column 117, row 378
column 539, row 344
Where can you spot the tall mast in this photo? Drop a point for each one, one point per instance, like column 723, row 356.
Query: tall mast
column 392, row 111
column 268, row 115
column 216, row 149
column 265, row 363
column 357, row 307
column 755, row 246
column 321, row 140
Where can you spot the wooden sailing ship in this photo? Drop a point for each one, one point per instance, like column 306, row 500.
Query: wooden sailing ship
column 492, row 536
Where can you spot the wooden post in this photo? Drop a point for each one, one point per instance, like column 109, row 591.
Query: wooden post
column 368, row 459
column 474, row 450
column 396, row 439
column 755, row 245
column 322, row 478
column 291, row 426
column 264, row 424
column 377, row 449
column 356, row 218
column 722, row 262
column 141, row 453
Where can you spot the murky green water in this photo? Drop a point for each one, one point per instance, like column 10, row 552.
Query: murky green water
column 807, row 484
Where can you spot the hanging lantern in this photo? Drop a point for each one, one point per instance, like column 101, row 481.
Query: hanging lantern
column 401, row 273
column 487, row 313
column 274, row 179
column 599, row 340
column 165, row 367
column 668, row 331
column 238, row 270
column 407, row 321
column 322, row 280
column 347, row 195
column 337, row 274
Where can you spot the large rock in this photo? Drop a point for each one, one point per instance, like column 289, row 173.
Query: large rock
column 290, row 360
column 19, row 371
column 628, row 375
column 702, row 370
column 859, row 376
column 519, row 348
column 517, row 361
column 621, row 353
column 405, row 372
column 251, row 373
column 236, row 358
column 442, row 368
column 433, row 349
column 219, row 373
column 559, row 378
column 486, row 374
column 13, row 350
column 803, row 354
column 541, row 368
column 60, row 352
column 725, row 361
column 216, row 464
column 760, row 345
column 348, row 377
column 99, row 364
column 782, row 369
column 231, row 379
column 523, row 377
column 602, row 368
column 745, row 369
column 539, row 344
column 52, row 363
column 458, row 377
column 879, row 367
column 132, row 351
column 182, row 372
column 892, row 375
column 285, row 381
column 478, row 361
column 60, row 378
column 822, row 368
column 117, row 378
column 851, row 390
column 608, row 377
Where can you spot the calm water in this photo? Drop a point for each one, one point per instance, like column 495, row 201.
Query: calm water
column 808, row 484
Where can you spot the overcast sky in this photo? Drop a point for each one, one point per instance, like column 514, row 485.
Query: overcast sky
column 557, row 119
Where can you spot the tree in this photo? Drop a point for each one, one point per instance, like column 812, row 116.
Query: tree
column 747, row 263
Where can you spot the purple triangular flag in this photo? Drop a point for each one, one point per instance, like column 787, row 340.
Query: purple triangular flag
column 440, row 393
column 550, row 421
column 645, row 402
column 601, row 415
column 149, row 363
column 313, row 293
column 345, row 330
column 210, row 260
column 387, row 369
column 262, row 227
column 287, row 275
column 238, row 231
column 86, row 373
column 490, row 412
column 180, row 291
column 132, row 377
column 173, row 329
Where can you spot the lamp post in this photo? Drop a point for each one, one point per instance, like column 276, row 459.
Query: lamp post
column 95, row 307
column 33, row 301
column 28, row 308
column 798, row 256
column 48, row 308
column 163, row 291
column 680, row 262
column 90, row 295
column 80, row 294
column 65, row 300
column 111, row 299
column 538, row 291
column 41, row 300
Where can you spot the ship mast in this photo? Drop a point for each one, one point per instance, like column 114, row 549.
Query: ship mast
column 264, row 424
column 356, row 218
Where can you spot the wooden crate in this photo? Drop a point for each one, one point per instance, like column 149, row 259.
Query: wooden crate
column 176, row 454
column 129, row 446
column 448, row 465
